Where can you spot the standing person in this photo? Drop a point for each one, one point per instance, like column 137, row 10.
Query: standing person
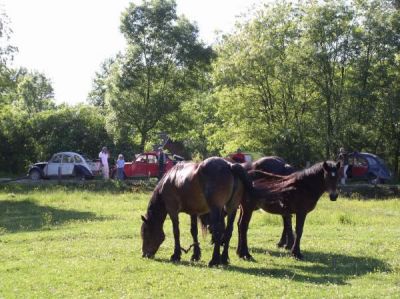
column 103, row 155
column 344, row 162
column 120, row 167
column 161, row 163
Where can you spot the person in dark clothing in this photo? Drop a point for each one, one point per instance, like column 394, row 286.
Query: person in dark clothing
column 161, row 163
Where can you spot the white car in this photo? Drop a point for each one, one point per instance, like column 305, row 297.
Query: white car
column 64, row 164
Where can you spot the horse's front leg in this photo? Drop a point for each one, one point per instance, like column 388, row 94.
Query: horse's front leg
column 217, row 223
column 300, row 219
column 177, row 250
column 287, row 237
column 194, row 231
column 246, row 211
column 227, row 237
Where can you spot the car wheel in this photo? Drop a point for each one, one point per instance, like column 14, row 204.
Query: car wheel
column 35, row 175
column 80, row 176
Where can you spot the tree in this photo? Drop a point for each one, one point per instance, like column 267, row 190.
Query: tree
column 159, row 70
column 7, row 52
column 34, row 92
column 97, row 95
column 79, row 128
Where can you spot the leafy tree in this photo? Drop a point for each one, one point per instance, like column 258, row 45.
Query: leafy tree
column 16, row 148
column 97, row 95
column 7, row 52
column 158, row 71
column 79, row 129
column 34, row 92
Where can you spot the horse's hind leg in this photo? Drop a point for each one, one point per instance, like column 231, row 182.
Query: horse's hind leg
column 246, row 211
column 227, row 237
column 217, row 222
column 287, row 237
column 176, row 256
column 193, row 230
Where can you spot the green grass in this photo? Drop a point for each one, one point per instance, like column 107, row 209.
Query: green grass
column 71, row 242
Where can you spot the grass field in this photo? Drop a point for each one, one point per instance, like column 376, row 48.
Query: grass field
column 65, row 242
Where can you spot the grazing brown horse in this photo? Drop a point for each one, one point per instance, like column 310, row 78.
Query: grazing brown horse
column 299, row 192
column 213, row 186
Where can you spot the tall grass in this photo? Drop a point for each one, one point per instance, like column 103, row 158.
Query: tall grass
column 71, row 242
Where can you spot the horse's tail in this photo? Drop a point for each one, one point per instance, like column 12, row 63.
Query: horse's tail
column 242, row 174
column 247, row 181
column 205, row 223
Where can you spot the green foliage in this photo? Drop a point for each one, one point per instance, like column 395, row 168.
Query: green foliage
column 34, row 92
column 16, row 148
column 79, row 128
column 300, row 81
column 148, row 83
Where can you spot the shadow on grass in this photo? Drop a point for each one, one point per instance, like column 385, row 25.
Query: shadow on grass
column 26, row 215
column 318, row 267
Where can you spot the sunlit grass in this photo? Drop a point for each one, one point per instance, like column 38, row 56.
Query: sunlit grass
column 77, row 243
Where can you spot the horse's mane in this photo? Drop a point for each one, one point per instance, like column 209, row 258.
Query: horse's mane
column 278, row 184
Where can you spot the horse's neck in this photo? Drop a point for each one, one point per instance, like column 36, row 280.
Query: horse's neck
column 314, row 182
column 156, row 211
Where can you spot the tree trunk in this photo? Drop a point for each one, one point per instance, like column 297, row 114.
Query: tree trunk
column 143, row 139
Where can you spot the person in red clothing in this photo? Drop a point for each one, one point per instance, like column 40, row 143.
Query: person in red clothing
column 238, row 157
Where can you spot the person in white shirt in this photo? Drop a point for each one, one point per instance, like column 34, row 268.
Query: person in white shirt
column 103, row 155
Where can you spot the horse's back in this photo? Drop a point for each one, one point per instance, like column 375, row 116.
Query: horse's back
column 195, row 187
column 274, row 165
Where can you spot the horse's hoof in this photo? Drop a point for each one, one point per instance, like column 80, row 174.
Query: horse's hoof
column 195, row 258
column 287, row 246
column 298, row 256
column 246, row 257
column 175, row 258
column 280, row 244
column 225, row 261
column 213, row 263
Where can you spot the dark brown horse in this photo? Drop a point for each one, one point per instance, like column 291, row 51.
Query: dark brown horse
column 275, row 165
column 213, row 186
column 299, row 191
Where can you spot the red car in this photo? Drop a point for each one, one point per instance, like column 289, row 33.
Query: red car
column 145, row 166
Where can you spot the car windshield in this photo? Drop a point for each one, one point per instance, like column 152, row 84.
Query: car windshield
column 381, row 161
column 371, row 161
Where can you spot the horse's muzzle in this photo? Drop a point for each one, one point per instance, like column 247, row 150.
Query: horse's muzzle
column 333, row 196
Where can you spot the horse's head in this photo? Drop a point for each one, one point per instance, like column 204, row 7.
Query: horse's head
column 152, row 236
column 331, row 178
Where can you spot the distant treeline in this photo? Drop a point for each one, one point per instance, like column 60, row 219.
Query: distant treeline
column 294, row 80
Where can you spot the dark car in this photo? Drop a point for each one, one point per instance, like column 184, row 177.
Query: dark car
column 64, row 164
column 367, row 166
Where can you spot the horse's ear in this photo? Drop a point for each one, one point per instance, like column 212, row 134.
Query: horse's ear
column 325, row 166
column 338, row 165
column 144, row 219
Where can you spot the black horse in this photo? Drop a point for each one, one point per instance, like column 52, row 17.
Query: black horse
column 277, row 165
column 299, row 192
